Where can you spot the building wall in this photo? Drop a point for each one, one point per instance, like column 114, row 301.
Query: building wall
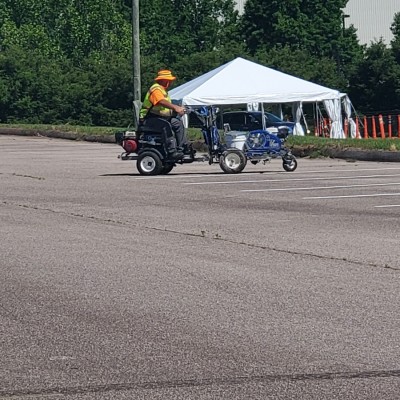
column 240, row 5
column 371, row 18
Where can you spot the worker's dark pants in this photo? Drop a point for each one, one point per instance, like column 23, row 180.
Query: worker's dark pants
column 179, row 130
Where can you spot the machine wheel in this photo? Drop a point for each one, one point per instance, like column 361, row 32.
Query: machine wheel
column 289, row 163
column 166, row 169
column 149, row 163
column 232, row 161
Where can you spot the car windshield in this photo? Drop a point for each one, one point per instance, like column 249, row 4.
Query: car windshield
column 272, row 118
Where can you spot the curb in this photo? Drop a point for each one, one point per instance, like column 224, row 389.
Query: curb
column 372, row 155
column 57, row 135
column 348, row 154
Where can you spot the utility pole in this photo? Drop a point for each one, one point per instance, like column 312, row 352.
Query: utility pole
column 344, row 16
column 136, row 61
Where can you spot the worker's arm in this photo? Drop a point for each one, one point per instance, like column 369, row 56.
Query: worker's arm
column 157, row 97
column 178, row 109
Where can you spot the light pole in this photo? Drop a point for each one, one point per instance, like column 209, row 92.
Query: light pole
column 344, row 16
column 136, row 61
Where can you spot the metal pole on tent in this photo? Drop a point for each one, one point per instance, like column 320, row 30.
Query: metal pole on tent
column 316, row 119
column 305, row 122
column 263, row 117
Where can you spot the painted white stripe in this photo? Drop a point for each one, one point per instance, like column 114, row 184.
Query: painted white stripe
column 183, row 176
column 294, row 189
column 324, row 171
column 351, row 196
column 293, row 180
column 206, row 174
column 388, row 206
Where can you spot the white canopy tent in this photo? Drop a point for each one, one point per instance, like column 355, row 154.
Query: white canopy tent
column 241, row 82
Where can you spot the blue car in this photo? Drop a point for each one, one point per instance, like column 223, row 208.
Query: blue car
column 252, row 120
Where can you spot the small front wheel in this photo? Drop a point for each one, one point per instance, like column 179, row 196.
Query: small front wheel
column 149, row 163
column 232, row 161
column 289, row 163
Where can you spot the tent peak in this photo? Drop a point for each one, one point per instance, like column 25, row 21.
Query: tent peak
column 241, row 81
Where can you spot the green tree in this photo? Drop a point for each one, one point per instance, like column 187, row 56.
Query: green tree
column 75, row 28
column 376, row 84
column 269, row 23
column 65, row 61
column 320, row 70
column 311, row 25
column 395, row 43
column 172, row 29
column 311, row 29
column 33, row 85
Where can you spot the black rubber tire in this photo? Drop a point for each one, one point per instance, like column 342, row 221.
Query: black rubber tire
column 232, row 161
column 289, row 164
column 166, row 169
column 149, row 163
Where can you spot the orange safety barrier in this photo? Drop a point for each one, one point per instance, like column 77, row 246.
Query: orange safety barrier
column 326, row 127
column 391, row 131
column 318, row 128
column 381, row 126
column 365, row 128
column 373, row 127
column 398, row 126
column 316, row 133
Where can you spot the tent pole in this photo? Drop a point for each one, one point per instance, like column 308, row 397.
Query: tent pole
column 263, row 116
column 305, row 122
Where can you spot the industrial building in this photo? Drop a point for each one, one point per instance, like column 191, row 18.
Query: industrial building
column 240, row 5
column 371, row 18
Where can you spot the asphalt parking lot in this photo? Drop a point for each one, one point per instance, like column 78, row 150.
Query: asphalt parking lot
column 198, row 284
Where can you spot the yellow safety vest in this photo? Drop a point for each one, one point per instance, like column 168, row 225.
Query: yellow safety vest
column 157, row 109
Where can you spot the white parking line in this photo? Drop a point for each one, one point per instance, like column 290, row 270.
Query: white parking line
column 351, row 196
column 292, row 179
column 176, row 176
column 186, row 176
column 294, row 189
column 388, row 206
column 344, row 170
column 205, row 174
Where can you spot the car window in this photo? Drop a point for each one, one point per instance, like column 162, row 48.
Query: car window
column 253, row 123
column 248, row 121
column 235, row 121
column 271, row 118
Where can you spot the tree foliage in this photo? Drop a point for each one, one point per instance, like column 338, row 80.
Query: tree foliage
column 395, row 28
column 311, row 29
column 172, row 29
column 71, row 60
column 71, row 28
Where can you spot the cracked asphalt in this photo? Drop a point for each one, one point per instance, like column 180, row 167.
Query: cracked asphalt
column 195, row 285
